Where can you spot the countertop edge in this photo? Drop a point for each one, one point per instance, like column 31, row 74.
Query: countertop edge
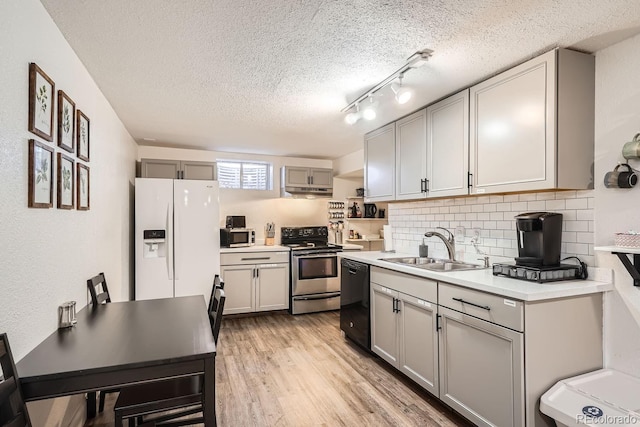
column 256, row 248
column 484, row 280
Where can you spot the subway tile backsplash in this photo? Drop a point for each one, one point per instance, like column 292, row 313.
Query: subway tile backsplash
column 494, row 217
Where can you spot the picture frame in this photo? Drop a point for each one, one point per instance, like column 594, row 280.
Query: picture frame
column 82, row 135
column 65, row 181
column 83, row 187
column 66, row 122
column 40, row 175
column 41, row 102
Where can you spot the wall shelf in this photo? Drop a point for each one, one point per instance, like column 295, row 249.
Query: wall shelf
column 621, row 252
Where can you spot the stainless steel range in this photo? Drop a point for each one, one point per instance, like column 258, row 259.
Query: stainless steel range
column 315, row 270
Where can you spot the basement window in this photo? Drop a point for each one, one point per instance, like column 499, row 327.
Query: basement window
column 245, row 175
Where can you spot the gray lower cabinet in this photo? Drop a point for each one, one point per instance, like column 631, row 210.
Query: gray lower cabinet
column 481, row 369
column 255, row 281
column 403, row 326
column 177, row 169
column 487, row 356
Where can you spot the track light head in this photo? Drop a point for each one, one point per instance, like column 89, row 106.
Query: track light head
column 352, row 117
column 402, row 93
column 369, row 112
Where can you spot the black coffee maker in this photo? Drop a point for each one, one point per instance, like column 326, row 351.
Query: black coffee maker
column 539, row 239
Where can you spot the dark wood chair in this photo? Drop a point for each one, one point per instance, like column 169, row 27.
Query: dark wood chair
column 217, row 283
column 13, row 411
column 99, row 291
column 138, row 402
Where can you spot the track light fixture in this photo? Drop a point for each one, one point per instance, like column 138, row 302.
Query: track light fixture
column 402, row 93
column 369, row 112
column 352, row 117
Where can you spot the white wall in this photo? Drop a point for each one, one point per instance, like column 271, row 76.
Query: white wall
column 617, row 210
column 259, row 207
column 48, row 254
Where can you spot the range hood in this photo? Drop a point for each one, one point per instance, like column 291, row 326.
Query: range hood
column 305, row 192
column 305, row 182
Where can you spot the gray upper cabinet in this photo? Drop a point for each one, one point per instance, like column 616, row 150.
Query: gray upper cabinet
column 411, row 156
column 448, row 146
column 302, row 177
column 531, row 127
column 379, row 164
column 177, row 169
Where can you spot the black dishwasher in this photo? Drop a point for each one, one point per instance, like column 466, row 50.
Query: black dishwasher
column 354, row 302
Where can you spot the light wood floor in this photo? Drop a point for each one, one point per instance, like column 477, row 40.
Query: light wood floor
column 282, row 370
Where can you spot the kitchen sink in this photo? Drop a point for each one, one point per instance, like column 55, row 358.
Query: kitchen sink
column 435, row 264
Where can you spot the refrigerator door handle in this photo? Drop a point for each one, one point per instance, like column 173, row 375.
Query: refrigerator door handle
column 176, row 237
column 169, row 243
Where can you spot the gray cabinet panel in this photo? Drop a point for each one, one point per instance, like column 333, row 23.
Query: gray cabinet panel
column 322, row 177
column 151, row 168
column 272, row 287
column 238, row 288
column 198, row 170
column 384, row 336
column 411, row 156
column 419, row 342
column 177, row 169
column 482, row 370
column 379, row 164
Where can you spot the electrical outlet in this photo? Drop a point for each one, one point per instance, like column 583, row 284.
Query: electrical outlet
column 459, row 234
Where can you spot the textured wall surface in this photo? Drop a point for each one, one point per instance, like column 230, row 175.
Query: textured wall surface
column 493, row 215
column 616, row 210
column 48, row 254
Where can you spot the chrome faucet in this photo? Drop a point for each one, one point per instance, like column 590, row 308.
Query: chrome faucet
column 449, row 241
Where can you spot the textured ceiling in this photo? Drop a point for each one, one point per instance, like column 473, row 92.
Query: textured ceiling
column 271, row 77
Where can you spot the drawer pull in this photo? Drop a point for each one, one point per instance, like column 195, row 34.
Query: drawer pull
column 484, row 307
column 255, row 258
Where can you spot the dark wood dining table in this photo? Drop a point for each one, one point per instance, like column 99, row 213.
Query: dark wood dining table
column 124, row 343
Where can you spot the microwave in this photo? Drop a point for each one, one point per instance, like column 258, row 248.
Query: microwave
column 237, row 237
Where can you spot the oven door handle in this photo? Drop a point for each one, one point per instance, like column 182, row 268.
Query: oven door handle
column 315, row 255
column 314, row 297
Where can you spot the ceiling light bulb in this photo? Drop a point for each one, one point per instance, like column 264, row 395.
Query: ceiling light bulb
column 402, row 93
column 369, row 113
column 353, row 116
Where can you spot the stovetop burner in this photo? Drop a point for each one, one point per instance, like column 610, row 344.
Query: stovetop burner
column 307, row 239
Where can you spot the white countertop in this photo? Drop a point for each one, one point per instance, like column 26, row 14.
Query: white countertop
column 255, row 248
column 484, row 280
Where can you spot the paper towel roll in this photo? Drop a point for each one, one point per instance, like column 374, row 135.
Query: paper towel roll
column 388, row 241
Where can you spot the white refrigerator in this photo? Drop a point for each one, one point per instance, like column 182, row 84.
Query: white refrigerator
column 177, row 237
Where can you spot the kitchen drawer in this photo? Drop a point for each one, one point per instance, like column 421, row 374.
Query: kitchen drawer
column 493, row 308
column 254, row 258
column 418, row 287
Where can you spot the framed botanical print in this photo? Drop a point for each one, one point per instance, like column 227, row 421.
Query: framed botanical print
column 65, row 182
column 41, row 99
column 82, row 130
column 82, row 182
column 40, row 175
column 66, row 113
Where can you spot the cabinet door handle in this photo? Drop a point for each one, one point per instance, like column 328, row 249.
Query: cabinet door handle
column 469, row 179
column 311, row 178
column 438, row 325
column 257, row 273
column 460, row 300
column 426, row 185
column 423, row 187
column 394, row 305
column 177, row 174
